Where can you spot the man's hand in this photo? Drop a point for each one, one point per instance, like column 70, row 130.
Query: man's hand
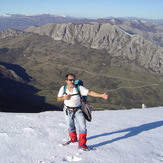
column 105, row 96
column 67, row 97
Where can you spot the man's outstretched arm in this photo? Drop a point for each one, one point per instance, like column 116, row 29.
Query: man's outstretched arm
column 95, row 94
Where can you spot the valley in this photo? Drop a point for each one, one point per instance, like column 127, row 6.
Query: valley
column 46, row 61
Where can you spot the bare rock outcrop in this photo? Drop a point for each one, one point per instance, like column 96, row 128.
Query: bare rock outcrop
column 12, row 33
column 106, row 36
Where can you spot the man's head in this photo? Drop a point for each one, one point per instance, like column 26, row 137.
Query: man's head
column 69, row 79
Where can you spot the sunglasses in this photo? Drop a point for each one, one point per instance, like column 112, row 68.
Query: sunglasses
column 71, row 79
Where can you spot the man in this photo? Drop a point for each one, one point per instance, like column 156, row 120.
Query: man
column 72, row 109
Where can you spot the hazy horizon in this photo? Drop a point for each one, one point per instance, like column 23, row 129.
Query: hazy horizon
column 88, row 9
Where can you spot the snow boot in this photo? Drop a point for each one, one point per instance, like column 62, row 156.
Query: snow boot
column 82, row 142
column 73, row 137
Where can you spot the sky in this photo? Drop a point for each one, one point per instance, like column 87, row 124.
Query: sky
column 122, row 136
column 150, row 9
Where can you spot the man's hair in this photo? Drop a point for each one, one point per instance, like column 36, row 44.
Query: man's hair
column 70, row 74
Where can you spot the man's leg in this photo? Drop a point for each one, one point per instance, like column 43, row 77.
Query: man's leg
column 82, row 129
column 71, row 126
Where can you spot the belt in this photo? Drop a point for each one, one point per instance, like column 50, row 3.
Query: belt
column 72, row 109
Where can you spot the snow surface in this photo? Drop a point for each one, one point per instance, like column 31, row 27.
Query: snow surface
column 128, row 136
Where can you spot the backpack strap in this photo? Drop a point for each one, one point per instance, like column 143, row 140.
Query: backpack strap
column 77, row 89
column 64, row 90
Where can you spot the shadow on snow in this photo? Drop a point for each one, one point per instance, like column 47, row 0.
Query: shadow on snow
column 133, row 131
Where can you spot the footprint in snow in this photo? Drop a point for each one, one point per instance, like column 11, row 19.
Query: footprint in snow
column 28, row 131
column 72, row 159
column 3, row 134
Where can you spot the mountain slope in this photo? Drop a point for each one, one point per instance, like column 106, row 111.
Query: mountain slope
column 15, row 93
column 47, row 61
column 115, row 41
column 150, row 31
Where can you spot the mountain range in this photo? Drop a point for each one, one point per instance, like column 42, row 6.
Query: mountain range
column 122, row 58
column 19, row 21
column 150, row 29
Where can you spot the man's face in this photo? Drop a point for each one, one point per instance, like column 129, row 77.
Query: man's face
column 70, row 81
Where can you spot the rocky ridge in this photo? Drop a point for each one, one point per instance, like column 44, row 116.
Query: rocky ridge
column 116, row 41
column 12, row 33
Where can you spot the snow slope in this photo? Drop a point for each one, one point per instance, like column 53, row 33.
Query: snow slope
column 130, row 136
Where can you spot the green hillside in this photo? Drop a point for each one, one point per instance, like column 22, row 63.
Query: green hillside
column 47, row 61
